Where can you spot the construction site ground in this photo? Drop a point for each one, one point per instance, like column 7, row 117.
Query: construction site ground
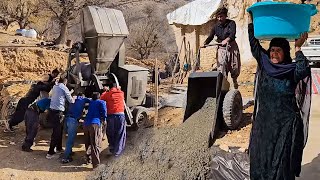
column 23, row 64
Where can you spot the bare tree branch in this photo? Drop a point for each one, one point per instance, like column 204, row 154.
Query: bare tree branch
column 19, row 10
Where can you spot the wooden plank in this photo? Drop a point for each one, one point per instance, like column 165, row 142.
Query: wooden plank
column 156, row 123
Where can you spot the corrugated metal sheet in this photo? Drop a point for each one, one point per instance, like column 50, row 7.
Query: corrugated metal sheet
column 196, row 12
column 104, row 21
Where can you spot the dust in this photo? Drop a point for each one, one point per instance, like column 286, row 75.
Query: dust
column 166, row 153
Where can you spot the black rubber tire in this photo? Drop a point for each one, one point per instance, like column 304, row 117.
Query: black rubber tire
column 232, row 109
column 140, row 117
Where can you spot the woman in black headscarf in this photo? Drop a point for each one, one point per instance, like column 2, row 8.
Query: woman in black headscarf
column 282, row 107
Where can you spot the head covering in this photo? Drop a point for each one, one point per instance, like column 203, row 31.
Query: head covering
column 222, row 10
column 284, row 45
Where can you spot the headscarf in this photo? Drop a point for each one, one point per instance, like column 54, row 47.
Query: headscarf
column 284, row 45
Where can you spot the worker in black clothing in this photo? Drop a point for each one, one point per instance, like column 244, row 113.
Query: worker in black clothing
column 49, row 80
column 228, row 57
column 30, row 97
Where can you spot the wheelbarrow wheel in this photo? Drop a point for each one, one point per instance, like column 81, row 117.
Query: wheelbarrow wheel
column 232, row 109
column 140, row 117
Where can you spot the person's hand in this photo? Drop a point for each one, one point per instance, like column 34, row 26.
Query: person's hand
column 224, row 42
column 105, row 88
column 104, row 122
column 250, row 17
column 303, row 37
column 299, row 42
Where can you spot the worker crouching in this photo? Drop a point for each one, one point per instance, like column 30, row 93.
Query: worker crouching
column 116, row 123
column 31, row 118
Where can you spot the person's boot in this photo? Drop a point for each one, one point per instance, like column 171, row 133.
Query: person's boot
column 87, row 159
column 26, row 149
column 66, row 160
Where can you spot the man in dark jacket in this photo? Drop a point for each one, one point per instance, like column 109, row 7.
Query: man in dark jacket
column 32, row 121
column 228, row 57
column 49, row 80
column 23, row 104
column 42, row 87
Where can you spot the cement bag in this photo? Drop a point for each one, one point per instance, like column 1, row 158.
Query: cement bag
column 225, row 165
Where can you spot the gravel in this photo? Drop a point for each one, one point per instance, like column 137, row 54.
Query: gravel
column 165, row 153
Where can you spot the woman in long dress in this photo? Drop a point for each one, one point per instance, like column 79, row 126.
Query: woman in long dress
column 282, row 106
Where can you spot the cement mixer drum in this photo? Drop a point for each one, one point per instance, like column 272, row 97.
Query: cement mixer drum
column 104, row 31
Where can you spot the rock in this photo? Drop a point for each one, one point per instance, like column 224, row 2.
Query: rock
column 12, row 143
column 239, row 136
column 13, row 175
column 224, row 147
column 242, row 149
column 13, row 27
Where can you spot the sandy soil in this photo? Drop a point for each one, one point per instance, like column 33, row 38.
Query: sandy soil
column 7, row 38
column 16, row 164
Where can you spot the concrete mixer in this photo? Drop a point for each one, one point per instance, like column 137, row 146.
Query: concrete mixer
column 103, row 33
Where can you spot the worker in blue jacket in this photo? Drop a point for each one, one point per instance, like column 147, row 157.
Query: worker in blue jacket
column 31, row 118
column 97, row 113
column 72, row 117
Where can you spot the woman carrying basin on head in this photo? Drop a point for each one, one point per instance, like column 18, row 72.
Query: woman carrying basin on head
column 282, row 106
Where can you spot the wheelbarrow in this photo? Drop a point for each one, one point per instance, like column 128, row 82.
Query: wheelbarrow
column 214, row 84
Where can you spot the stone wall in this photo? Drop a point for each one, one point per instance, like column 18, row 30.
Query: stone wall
column 194, row 37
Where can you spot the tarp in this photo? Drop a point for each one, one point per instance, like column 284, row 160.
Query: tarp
column 229, row 165
column 196, row 12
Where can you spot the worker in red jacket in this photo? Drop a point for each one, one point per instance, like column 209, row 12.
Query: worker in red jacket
column 116, row 123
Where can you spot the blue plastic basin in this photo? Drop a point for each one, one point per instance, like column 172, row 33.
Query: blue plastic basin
column 281, row 19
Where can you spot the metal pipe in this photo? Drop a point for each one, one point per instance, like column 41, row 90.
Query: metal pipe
column 130, row 116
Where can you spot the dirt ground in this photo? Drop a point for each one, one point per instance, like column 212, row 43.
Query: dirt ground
column 16, row 164
column 20, row 66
